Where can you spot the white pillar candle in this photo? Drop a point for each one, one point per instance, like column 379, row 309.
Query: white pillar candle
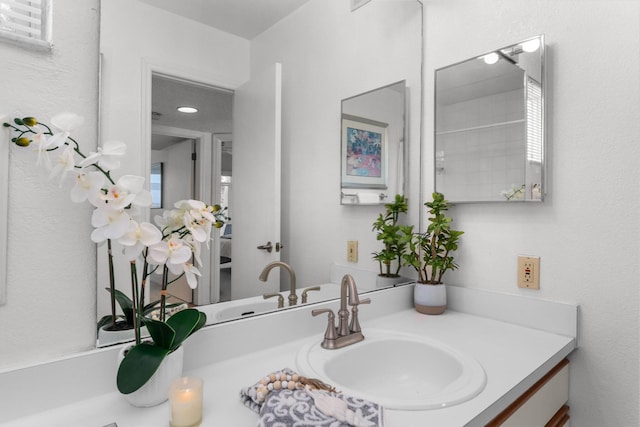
column 185, row 396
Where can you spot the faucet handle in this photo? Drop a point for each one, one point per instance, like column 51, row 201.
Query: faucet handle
column 306, row 291
column 330, row 334
column 362, row 301
column 280, row 298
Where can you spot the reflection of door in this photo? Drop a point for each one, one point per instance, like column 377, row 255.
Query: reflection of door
column 256, row 182
column 179, row 184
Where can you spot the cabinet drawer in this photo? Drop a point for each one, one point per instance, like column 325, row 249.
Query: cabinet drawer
column 543, row 405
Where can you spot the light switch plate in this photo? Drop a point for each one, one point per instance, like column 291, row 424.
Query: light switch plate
column 352, row 251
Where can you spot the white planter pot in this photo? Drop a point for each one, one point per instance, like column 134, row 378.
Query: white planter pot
column 430, row 299
column 156, row 390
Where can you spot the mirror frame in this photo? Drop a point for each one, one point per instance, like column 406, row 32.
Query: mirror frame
column 527, row 189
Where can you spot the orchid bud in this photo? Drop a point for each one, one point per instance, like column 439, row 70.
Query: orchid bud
column 216, row 208
column 30, row 121
column 218, row 224
column 23, row 142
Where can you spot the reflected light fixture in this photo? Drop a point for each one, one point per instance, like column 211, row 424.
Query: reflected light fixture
column 188, row 110
column 531, row 45
column 491, row 58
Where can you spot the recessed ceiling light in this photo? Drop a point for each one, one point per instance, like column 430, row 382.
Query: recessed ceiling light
column 187, row 110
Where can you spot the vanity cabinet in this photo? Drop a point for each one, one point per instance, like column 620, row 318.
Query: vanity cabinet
column 544, row 404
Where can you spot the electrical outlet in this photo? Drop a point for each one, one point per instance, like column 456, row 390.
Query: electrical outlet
column 352, row 251
column 529, row 272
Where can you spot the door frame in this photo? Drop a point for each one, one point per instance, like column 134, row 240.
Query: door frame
column 203, row 294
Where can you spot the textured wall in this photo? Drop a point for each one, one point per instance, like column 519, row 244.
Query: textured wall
column 51, row 261
column 587, row 230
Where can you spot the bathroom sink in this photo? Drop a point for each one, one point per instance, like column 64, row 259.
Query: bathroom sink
column 398, row 371
column 245, row 310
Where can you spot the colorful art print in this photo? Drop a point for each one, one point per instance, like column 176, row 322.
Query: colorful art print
column 364, row 153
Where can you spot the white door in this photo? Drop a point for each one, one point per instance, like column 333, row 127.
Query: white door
column 256, row 183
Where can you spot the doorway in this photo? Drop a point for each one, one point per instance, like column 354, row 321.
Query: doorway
column 187, row 150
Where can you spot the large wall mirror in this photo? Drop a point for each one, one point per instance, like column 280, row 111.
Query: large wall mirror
column 303, row 165
column 490, row 126
column 372, row 136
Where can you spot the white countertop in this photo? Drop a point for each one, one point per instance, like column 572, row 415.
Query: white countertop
column 514, row 358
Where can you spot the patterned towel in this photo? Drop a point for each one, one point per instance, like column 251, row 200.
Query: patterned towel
column 309, row 406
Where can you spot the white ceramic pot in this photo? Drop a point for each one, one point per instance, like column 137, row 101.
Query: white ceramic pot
column 156, row 390
column 430, row 299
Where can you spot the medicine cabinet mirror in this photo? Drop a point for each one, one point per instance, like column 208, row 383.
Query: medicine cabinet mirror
column 373, row 139
column 490, row 126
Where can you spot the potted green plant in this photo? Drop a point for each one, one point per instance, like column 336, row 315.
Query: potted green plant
column 389, row 233
column 430, row 254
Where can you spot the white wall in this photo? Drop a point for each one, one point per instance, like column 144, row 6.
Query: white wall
column 321, row 64
column 586, row 231
column 51, row 268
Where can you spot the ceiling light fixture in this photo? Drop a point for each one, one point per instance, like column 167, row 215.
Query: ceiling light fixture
column 188, row 110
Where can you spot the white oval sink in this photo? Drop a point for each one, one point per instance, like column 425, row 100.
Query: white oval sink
column 246, row 310
column 398, row 371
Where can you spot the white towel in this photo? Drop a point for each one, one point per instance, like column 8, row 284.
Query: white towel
column 368, row 198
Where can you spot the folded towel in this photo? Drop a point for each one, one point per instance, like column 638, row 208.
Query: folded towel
column 285, row 398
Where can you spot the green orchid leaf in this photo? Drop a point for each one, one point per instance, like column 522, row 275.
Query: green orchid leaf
column 138, row 366
column 163, row 335
column 184, row 323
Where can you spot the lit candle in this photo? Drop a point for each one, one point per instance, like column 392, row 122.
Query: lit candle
column 185, row 396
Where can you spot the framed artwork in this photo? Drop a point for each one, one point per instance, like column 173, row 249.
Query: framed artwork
column 364, row 153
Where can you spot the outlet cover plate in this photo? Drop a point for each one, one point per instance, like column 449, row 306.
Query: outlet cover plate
column 529, row 272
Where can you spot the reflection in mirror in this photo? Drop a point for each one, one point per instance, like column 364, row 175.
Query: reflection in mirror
column 489, row 126
column 373, row 135
column 309, row 109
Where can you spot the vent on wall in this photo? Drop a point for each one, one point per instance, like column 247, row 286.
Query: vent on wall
column 26, row 21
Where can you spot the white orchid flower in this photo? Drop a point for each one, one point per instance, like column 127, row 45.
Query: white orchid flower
column 128, row 190
column 173, row 253
column 190, row 272
column 200, row 228
column 109, row 223
column 195, row 248
column 88, row 186
column 107, row 156
column 170, row 220
column 196, row 208
column 64, row 123
column 41, row 143
column 137, row 237
column 64, row 163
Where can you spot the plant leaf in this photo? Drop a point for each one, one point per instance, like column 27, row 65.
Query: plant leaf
column 184, row 323
column 138, row 366
column 164, row 336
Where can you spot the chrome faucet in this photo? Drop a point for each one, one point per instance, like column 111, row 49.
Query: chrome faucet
column 347, row 332
column 293, row 298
